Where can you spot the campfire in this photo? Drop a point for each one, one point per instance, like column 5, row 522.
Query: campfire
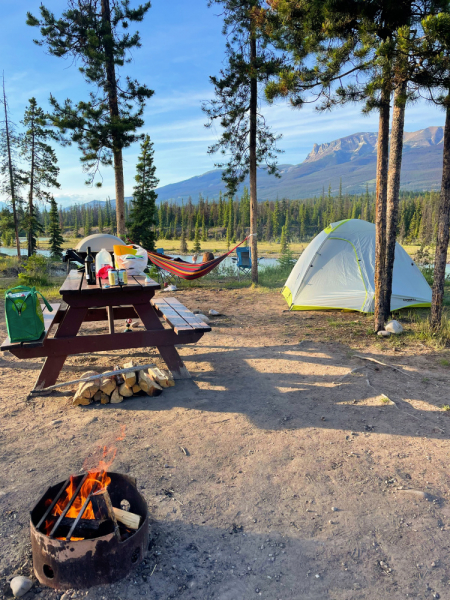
column 90, row 529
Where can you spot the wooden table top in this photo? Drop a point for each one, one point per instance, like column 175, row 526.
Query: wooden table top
column 75, row 283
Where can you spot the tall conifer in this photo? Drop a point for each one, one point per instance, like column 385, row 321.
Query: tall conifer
column 89, row 32
column 142, row 219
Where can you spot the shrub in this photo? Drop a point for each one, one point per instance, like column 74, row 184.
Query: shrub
column 36, row 271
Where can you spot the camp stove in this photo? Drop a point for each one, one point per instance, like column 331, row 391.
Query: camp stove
column 89, row 530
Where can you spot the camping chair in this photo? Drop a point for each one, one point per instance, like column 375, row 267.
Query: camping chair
column 244, row 262
column 165, row 276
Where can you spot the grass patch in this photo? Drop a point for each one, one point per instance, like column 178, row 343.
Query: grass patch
column 444, row 362
column 446, row 408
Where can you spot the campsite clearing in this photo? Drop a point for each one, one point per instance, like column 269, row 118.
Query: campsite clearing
column 244, row 465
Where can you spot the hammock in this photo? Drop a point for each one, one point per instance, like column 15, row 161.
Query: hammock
column 186, row 270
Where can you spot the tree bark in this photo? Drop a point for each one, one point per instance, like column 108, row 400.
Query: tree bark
column 380, row 210
column 440, row 259
column 30, row 238
column 393, row 189
column 114, row 113
column 253, row 164
column 11, row 174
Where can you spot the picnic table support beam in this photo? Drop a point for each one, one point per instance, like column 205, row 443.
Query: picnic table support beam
column 168, row 353
column 110, row 313
column 69, row 327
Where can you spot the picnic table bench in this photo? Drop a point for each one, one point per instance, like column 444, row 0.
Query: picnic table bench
column 167, row 323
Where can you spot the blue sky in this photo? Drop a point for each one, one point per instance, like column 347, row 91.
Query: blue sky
column 181, row 46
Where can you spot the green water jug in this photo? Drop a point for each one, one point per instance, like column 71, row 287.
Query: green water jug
column 23, row 312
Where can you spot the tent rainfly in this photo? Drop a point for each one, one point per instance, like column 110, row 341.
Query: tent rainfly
column 337, row 271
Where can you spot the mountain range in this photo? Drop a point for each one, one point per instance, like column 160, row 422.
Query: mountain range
column 352, row 159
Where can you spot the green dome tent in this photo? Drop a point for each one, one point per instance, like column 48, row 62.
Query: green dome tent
column 337, row 271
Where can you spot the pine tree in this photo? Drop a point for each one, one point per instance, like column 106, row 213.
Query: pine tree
column 11, row 176
column 41, row 166
column 76, row 224
column 106, row 123
column 197, row 245
column 100, row 219
column 87, row 224
column 108, row 213
column 143, row 205
column 204, row 233
column 183, row 244
column 246, row 138
column 54, row 229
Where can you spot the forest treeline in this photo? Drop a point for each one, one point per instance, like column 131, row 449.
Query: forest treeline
column 230, row 218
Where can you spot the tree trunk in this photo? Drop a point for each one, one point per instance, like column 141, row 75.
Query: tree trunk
column 253, row 164
column 30, row 237
column 11, row 174
column 380, row 210
column 440, row 259
column 393, row 189
column 114, row 113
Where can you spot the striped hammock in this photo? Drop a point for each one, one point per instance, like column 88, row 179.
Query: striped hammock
column 186, row 270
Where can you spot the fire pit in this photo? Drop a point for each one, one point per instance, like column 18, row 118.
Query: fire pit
column 89, row 530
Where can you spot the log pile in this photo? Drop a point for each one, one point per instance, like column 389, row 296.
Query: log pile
column 116, row 388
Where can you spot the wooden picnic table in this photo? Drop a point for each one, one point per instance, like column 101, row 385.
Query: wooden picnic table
column 167, row 323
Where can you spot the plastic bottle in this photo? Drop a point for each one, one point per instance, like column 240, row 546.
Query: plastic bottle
column 103, row 259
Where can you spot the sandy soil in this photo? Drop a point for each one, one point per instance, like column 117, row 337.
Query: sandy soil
column 294, row 486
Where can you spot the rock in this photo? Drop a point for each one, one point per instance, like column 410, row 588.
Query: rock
column 214, row 313
column 116, row 397
column 334, row 509
column 394, row 327
column 20, row 586
column 196, row 311
column 56, row 422
column 415, row 493
column 384, row 333
column 204, row 318
column 136, row 324
column 124, row 390
column 108, row 385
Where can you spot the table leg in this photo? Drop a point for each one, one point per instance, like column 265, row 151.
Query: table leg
column 69, row 327
column 169, row 354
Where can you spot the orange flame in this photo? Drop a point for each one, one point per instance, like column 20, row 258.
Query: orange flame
column 97, row 480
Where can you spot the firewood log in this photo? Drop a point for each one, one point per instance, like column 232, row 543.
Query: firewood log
column 90, row 388
column 78, row 400
column 163, row 378
column 108, row 385
column 130, row 520
column 149, row 386
column 104, row 399
column 130, row 378
column 97, row 396
column 136, row 388
column 124, row 390
column 116, row 397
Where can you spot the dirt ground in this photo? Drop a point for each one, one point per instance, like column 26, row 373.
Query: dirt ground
column 297, row 483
